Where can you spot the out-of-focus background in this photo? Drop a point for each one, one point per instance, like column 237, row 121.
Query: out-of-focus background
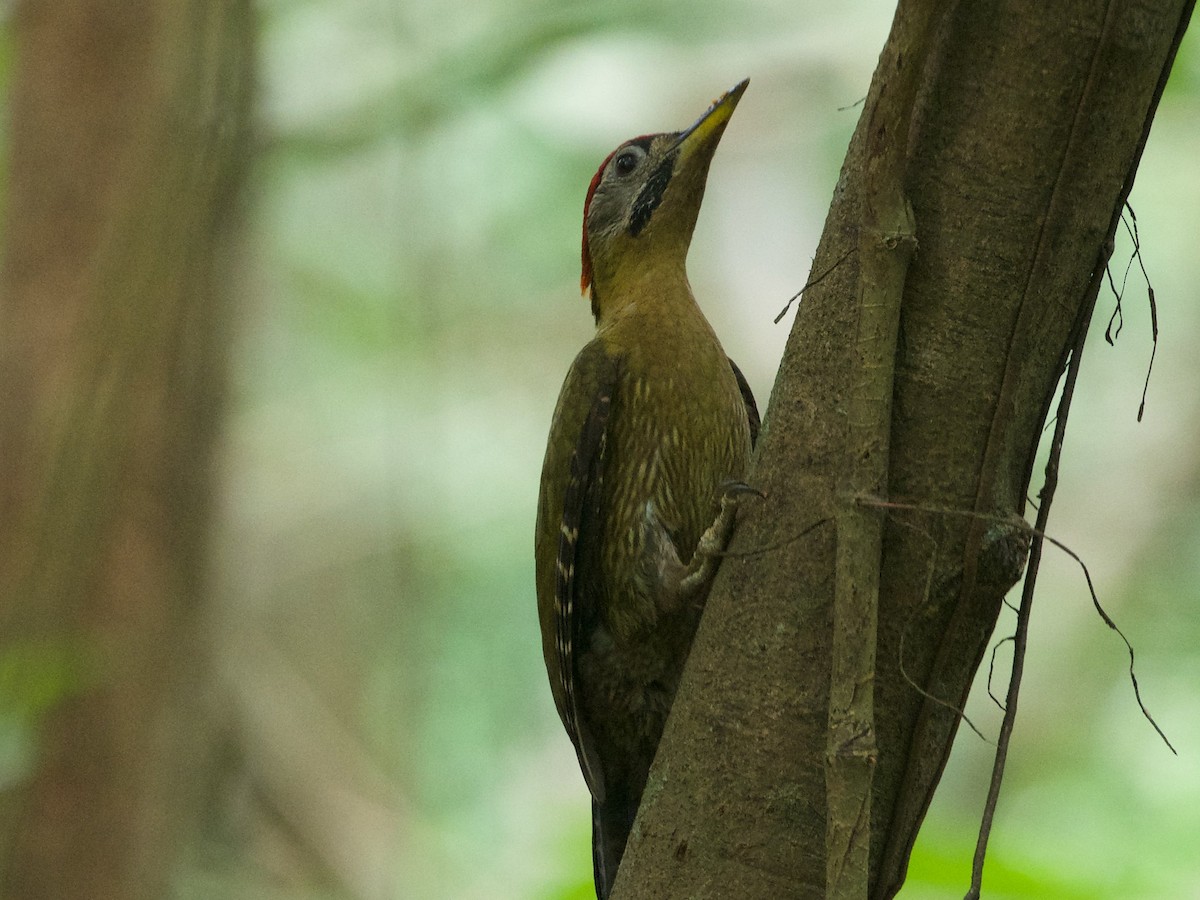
column 408, row 305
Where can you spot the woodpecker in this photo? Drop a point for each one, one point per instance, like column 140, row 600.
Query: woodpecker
column 650, row 439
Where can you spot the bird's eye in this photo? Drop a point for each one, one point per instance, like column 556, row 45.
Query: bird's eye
column 626, row 162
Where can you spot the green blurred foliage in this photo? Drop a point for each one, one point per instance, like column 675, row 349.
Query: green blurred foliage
column 35, row 676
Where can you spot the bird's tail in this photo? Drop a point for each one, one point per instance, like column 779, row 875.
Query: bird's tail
column 611, row 823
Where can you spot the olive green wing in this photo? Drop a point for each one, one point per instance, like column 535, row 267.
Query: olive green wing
column 568, row 515
column 748, row 398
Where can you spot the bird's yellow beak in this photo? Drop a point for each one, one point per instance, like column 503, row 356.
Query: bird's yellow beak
column 709, row 127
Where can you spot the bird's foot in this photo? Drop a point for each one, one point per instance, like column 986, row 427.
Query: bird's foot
column 696, row 578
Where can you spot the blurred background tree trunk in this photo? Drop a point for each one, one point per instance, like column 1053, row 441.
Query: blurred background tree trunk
column 128, row 126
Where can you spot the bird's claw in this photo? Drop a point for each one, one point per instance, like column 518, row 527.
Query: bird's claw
column 715, row 539
column 729, row 491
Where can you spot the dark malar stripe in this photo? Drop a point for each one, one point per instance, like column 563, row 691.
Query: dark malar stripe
column 652, row 193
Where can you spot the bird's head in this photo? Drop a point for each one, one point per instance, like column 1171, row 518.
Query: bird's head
column 642, row 204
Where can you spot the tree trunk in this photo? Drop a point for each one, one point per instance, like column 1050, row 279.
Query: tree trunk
column 128, row 128
column 1027, row 123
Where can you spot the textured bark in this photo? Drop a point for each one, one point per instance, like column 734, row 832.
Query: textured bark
column 127, row 126
column 886, row 241
column 1028, row 125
